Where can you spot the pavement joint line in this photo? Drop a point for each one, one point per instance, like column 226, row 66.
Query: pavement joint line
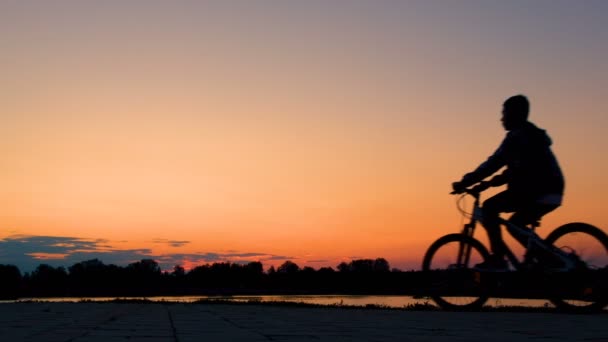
column 48, row 329
column 172, row 323
column 226, row 319
column 112, row 316
column 229, row 321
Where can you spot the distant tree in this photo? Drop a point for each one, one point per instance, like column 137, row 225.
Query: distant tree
column 365, row 266
column 178, row 271
column 381, row 265
column 86, row 268
column 220, row 267
column 288, row 267
column 9, row 271
column 48, row 273
column 344, row 267
column 220, row 273
column 272, row 270
column 198, row 276
column 48, row 280
column 254, row 267
column 308, row 270
column 362, row 265
column 326, row 270
column 144, row 267
column 10, row 281
column 88, row 277
column 143, row 277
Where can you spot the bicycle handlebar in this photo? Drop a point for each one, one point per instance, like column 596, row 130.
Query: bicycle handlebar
column 475, row 190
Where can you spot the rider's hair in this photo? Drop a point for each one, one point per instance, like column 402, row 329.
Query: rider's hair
column 518, row 106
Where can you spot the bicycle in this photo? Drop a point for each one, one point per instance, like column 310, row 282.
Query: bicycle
column 577, row 278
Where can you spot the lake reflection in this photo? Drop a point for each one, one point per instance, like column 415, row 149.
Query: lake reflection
column 387, row 301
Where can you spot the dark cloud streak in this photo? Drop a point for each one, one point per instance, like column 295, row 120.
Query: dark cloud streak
column 172, row 243
column 27, row 252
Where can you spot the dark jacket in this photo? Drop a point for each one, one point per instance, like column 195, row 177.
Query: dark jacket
column 532, row 170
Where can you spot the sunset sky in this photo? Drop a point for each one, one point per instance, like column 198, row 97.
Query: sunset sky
column 312, row 131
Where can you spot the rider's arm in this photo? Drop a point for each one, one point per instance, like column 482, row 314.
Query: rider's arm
column 494, row 163
column 500, row 179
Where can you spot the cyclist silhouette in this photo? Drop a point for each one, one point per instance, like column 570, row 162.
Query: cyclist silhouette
column 535, row 183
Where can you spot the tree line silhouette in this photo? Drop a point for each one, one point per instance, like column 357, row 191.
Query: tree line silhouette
column 93, row 278
column 145, row 278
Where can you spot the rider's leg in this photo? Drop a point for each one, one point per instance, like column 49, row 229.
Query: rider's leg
column 492, row 207
column 527, row 214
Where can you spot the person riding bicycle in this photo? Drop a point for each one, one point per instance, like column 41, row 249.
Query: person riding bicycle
column 535, row 183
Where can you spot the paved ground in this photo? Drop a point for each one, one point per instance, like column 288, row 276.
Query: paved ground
column 107, row 322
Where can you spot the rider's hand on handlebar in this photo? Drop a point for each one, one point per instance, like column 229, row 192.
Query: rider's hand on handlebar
column 458, row 188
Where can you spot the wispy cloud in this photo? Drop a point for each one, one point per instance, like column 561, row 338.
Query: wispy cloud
column 281, row 257
column 27, row 252
column 318, row 261
column 48, row 256
column 172, row 243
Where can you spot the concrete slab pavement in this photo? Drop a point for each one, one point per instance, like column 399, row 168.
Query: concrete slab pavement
column 178, row 322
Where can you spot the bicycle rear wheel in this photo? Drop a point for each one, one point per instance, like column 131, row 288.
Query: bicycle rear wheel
column 586, row 287
column 453, row 283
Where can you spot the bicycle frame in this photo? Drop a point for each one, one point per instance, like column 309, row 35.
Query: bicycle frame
column 533, row 240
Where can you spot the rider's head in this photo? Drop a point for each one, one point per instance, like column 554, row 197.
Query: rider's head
column 515, row 112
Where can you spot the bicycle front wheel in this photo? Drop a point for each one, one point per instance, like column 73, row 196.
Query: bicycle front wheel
column 448, row 263
column 586, row 287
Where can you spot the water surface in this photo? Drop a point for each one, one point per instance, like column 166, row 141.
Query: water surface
column 362, row 300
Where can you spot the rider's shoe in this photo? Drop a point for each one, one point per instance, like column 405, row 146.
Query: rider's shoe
column 493, row 264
